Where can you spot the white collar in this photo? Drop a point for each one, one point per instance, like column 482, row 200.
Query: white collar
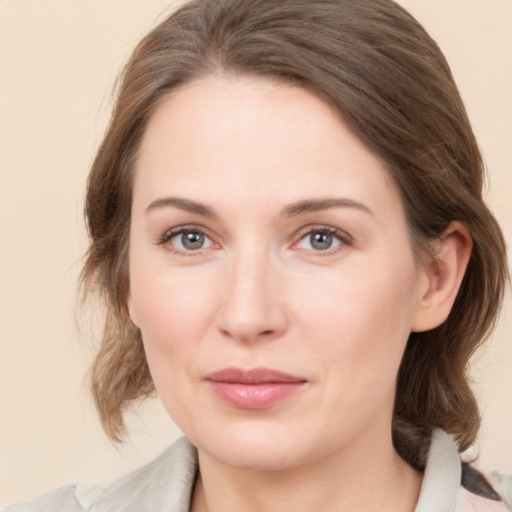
column 441, row 480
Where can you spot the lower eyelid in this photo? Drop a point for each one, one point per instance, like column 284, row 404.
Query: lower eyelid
column 343, row 240
column 165, row 240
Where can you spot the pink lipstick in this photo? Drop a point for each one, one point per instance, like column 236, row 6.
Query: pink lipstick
column 253, row 389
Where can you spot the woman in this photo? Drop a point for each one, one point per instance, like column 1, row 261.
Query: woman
column 288, row 231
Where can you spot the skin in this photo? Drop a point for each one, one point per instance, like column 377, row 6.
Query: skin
column 259, row 292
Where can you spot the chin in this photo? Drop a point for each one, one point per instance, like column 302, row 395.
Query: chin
column 255, row 456
column 255, row 447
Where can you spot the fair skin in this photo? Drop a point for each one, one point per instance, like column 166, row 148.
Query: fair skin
column 264, row 234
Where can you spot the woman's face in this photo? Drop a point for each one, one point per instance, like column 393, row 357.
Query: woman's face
column 271, row 274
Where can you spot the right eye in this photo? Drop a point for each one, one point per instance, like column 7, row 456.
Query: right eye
column 187, row 240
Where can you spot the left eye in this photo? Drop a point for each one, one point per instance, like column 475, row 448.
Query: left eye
column 190, row 240
column 320, row 240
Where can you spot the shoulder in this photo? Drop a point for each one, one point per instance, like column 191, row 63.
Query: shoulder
column 484, row 493
column 469, row 502
column 163, row 484
column 59, row 500
column 503, row 484
column 451, row 485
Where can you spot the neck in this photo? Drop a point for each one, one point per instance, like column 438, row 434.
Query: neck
column 360, row 477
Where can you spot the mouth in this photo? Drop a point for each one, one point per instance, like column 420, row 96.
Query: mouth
column 258, row 388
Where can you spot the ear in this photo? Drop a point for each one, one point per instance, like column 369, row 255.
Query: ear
column 443, row 277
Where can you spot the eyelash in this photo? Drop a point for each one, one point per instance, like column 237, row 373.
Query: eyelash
column 344, row 238
column 171, row 233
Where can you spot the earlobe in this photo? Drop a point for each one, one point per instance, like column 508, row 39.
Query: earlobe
column 444, row 276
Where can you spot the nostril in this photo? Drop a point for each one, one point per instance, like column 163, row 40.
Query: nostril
column 247, row 335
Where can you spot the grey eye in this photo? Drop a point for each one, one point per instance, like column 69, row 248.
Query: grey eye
column 320, row 241
column 189, row 240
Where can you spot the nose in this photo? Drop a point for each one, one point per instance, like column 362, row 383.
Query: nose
column 252, row 306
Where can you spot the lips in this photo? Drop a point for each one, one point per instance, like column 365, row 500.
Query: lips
column 258, row 388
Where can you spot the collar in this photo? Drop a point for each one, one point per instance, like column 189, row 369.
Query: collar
column 163, row 485
column 441, row 480
column 166, row 483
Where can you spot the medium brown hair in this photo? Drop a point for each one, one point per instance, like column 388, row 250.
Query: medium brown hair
column 383, row 73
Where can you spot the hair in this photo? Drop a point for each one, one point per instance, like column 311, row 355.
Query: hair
column 377, row 66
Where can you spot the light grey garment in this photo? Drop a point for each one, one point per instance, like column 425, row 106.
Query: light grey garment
column 165, row 485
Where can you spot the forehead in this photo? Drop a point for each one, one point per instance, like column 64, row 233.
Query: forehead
column 257, row 138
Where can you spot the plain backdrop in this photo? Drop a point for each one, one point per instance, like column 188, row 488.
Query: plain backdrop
column 58, row 62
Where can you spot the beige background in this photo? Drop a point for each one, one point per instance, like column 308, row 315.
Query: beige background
column 58, row 61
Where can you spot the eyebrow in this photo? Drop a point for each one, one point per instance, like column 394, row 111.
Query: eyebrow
column 314, row 205
column 183, row 204
column 292, row 210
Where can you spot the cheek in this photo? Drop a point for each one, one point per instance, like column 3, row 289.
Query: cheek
column 169, row 305
column 360, row 322
column 174, row 311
